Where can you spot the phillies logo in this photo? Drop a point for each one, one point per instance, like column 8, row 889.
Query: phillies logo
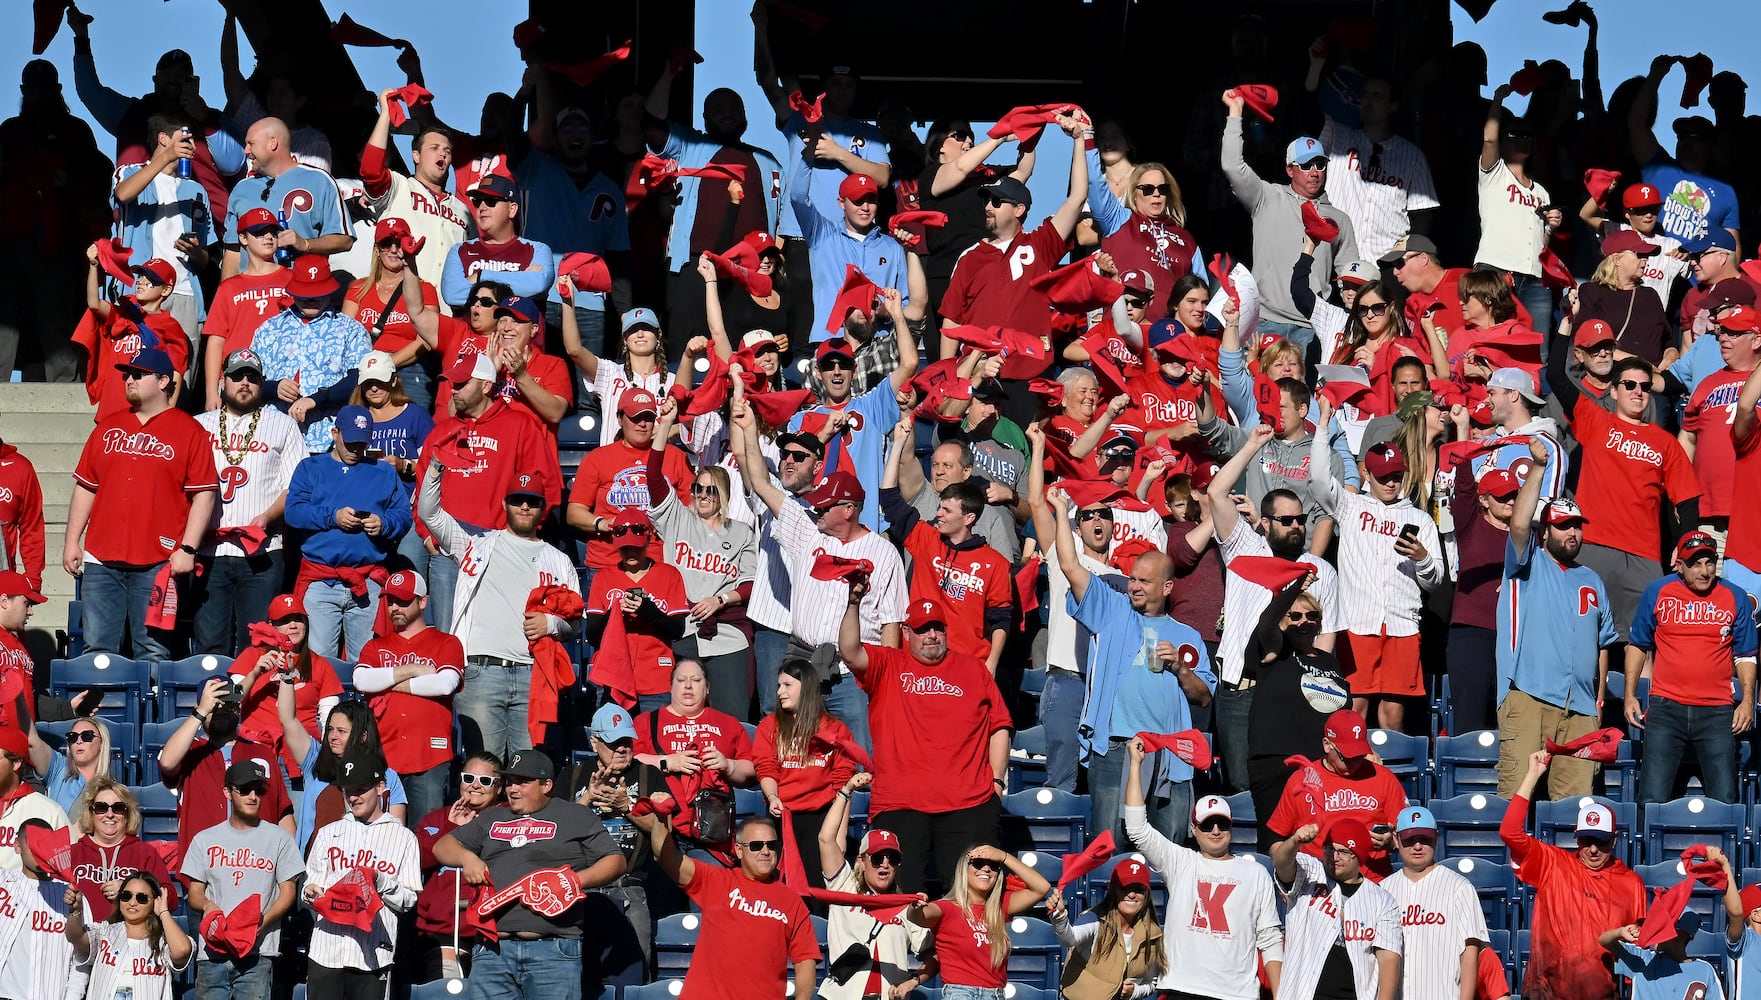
column 392, row 660
column 1520, row 197
column 243, row 858
column 520, row 832
column 232, row 479
column 686, row 557
column 1351, row 800
column 755, row 907
column 299, row 200
column 1417, row 916
column 47, row 923
column 341, row 859
column 140, row 444
column 1633, row 448
column 929, row 685
column 6, row 494
column 1357, row 930
column 1587, row 601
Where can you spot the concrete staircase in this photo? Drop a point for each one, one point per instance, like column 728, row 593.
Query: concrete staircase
column 49, row 424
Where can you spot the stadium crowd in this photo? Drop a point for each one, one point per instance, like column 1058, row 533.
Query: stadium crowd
column 590, row 553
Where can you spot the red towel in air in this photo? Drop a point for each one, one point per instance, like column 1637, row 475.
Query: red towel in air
column 1087, row 492
column 1601, row 746
column 52, row 850
column 1318, row 227
column 1093, row 856
column 651, row 174
column 811, row 111
column 1189, row 745
column 113, row 258
column 775, row 408
column 1026, row 122
column 1667, row 906
column 347, row 32
column 1699, row 69
column 46, row 16
column 1024, row 354
column 849, row 748
column 1599, row 183
column 527, row 33
column 269, row 637
column 405, row 99
column 832, row 568
column 1027, row 588
column 587, row 271
column 1268, row 403
column 583, row 74
column 1051, row 391
column 1453, row 453
column 1341, row 393
column 858, row 293
column 740, row 262
column 717, row 171
column 1260, row 98
column 552, row 670
column 1270, row 572
column 1078, row 287
column 1221, row 265
column 1525, row 80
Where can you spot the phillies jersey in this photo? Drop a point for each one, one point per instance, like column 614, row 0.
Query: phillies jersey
column 1710, row 413
column 651, row 653
column 992, row 285
column 120, row 962
column 306, row 195
column 1697, row 638
column 153, row 470
column 415, row 730
column 439, row 217
column 1319, row 914
column 36, row 959
column 21, row 515
column 1656, row 976
column 242, row 303
column 266, row 456
column 398, row 332
column 387, row 850
column 504, row 442
column 1552, row 620
column 1154, row 246
column 1314, row 794
column 17, row 695
column 1166, row 404
column 524, row 266
column 753, row 932
column 1627, row 472
column 971, row 581
column 1439, row 916
column 615, row 476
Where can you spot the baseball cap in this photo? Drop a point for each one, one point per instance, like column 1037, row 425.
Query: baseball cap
column 637, row 401
column 355, row 424
column 641, row 316
column 1596, row 820
column 1410, row 243
column 1358, row 272
column 527, row 484
column 1695, row 127
column 1629, row 241
column 1741, row 318
column 151, row 360
column 258, row 218
column 1517, row 381
column 1304, row 148
column 1139, row 281
column 1415, row 818
column 405, row 585
column 493, row 186
column 465, row 369
column 158, row 270
column 1384, row 460
column 1352, row 835
column 390, row 228
column 631, row 521
column 1751, row 897
column 571, row 114
column 838, row 487
column 1695, row 544
column 876, row 841
column 757, row 340
column 1640, row 196
column 1131, row 872
column 763, row 242
column 1211, row 807
column 837, row 345
column 529, row 764
column 1717, row 238
column 311, row 278
column 857, row 187
column 810, row 442
column 13, row 583
column 1559, row 511
column 1415, row 402
column 359, row 768
column 244, row 772
column 1348, row 732
column 377, row 366
column 244, row 360
column 612, row 723
column 285, row 606
column 989, row 389
column 924, row 611
column 1592, row 332
column 15, row 742
column 519, row 307
column 1008, row 189
column 1497, row 483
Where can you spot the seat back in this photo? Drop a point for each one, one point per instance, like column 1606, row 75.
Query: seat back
column 1409, row 757
column 158, row 811
column 123, row 681
column 1467, row 826
column 675, row 940
column 1057, row 821
column 1244, row 822
column 1466, row 763
column 1672, row 827
column 1035, row 956
column 177, row 684
column 1495, row 885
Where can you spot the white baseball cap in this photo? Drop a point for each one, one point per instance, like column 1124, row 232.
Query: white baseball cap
column 754, row 338
column 377, row 366
column 1596, row 819
column 1210, row 806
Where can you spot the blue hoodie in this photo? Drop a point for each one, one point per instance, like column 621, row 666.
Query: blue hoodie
column 322, row 484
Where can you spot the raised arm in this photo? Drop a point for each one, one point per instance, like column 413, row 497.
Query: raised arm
column 1528, row 498
column 744, row 438
column 764, row 65
column 892, row 301
column 1493, row 129
column 850, row 630
column 1284, row 852
column 1224, row 516
column 951, row 174
column 1074, row 571
column 834, row 830
column 1079, row 129
column 661, row 841
column 299, row 742
column 1644, row 112
column 1326, row 488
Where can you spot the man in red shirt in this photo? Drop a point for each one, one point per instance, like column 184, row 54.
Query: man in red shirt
column 1576, row 897
column 753, row 924
column 614, row 477
column 992, row 283
column 529, row 378
column 21, row 515
column 941, row 737
column 648, row 598
column 195, row 758
column 1345, row 782
column 113, row 333
column 246, row 300
column 146, row 486
column 409, row 676
column 1711, row 410
column 18, row 704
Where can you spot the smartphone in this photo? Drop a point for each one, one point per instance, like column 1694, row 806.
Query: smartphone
column 375, row 453
column 1410, row 533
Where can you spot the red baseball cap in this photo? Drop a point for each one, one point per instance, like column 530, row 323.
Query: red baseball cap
column 1592, row 332
column 158, row 270
column 637, row 401
column 1751, row 897
column 925, row 610
column 1630, row 241
column 1352, row 835
column 1640, row 196
column 1695, row 544
column 467, row 368
column 390, row 228
column 404, row 586
column 1384, row 460
column 527, row 484
column 1348, row 732
column 311, row 278
column 827, row 348
column 1131, row 872
column 1741, row 319
column 14, row 742
column 631, row 521
column 14, row 583
column 876, row 841
column 857, row 187
column 258, row 218
column 286, row 606
column 835, row 488
column 1498, row 483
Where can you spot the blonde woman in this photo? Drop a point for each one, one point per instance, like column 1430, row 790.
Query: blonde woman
column 378, row 302
column 858, row 945
column 1640, row 324
column 65, row 772
column 1145, row 232
column 971, row 923
column 109, row 821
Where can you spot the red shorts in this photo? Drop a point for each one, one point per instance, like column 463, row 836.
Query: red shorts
column 1382, row 664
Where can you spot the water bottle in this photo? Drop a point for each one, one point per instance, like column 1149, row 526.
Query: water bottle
column 283, row 255
column 184, row 169
column 125, row 992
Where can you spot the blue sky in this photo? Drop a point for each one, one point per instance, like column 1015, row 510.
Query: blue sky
column 129, row 35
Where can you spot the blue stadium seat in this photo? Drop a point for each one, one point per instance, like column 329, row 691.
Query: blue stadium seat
column 1035, row 956
column 1051, row 868
column 675, row 940
column 178, row 683
column 158, row 811
column 1467, row 826
column 1442, row 709
column 1057, row 820
column 1672, row 827
column 858, row 815
column 1467, row 763
column 76, row 632
column 1709, row 946
column 1518, row 959
column 1621, row 776
column 1557, row 823
column 1033, row 683
column 153, row 738
column 1705, row 900
column 123, row 681
column 1506, row 956
column 1408, row 757
column 440, row 989
column 123, row 740
column 1022, row 991
column 665, row 989
column 1027, row 759
column 1496, row 886
column 1095, row 885
column 1244, row 823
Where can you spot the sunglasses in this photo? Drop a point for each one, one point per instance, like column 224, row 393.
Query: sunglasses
column 135, row 374
column 403, row 602
column 930, row 627
column 836, row 363
column 1632, row 386
column 253, row 377
column 1287, row 520
column 892, row 858
column 1148, row 189
column 1302, row 617
column 984, row 864
column 1644, row 210
column 82, row 736
column 1136, row 303
column 705, row 490
column 796, row 455
column 1733, row 334
column 134, row 897
column 360, row 790
column 1392, row 479
column 524, row 501
column 1402, row 262
column 639, row 530
column 640, row 418
column 828, row 508
column 1315, row 164
column 772, row 846
column 258, row 789
column 1000, row 202
column 1211, row 824
column 479, row 200
column 486, row 780
column 1605, row 347
column 961, row 135
column 1085, row 516
column 1373, row 308
column 100, row 808
column 485, row 301
column 1506, row 498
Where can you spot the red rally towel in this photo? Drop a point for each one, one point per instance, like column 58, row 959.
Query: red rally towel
column 1268, row 403
column 1554, row 273
column 1668, row 905
column 352, row 900
column 1599, row 183
column 849, row 748
column 811, row 111
column 740, row 262
column 347, row 32
column 1602, row 746
column 650, row 174
column 52, row 850
column 552, row 670
column 269, row 637
column 1024, row 354
column 1093, row 856
column 718, row 171
column 1699, row 69
column 1525, row 80
column 1027, row 586
column 1260, row 98
column 832, row 568
column 1453, row 453
column 1189, row 745
column 1270, row 572
column 1078, row 287
column 162, row 602
column 586, row 270
column 437, row 907
column 1026, row 122
column 1221, row 265
column 234, row 933
column 1318, row 227
column 46, row 18
column 247, row 537
column 405, row 99
column 1050, row 391
column 775, row 408
column 1086, row 492
column 914, row 222
column 858, row 293
column 583, row 74
column 113, row 258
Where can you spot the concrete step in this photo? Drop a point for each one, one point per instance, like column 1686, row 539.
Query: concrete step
column 43, row 397
column 33, row 426
column 54, row 461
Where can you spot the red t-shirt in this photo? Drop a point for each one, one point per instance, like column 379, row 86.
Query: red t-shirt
column 753, row 932
column 615, row 476
column 455, row 341
column 242, row 303
column 963, row 943
column 1711, row 411
column 1104, row 340
column 17, row 696
column 119, row 340
column 152, row 471
column 1627, row 472
column 932, row 727
column 481, row 258
column 93, row 866
column 968, row 581
column 650, row 652
column 810, row 783
column 1163, row 406
column 1068, row 430
column 506, row 442
column 991, row 285
column 1316, row 795
column 202, row 776
column 261, row 719
column 399, row 331
column 21, row 514
column 1743, row 541
column 664, row 731
column 416, row 730
column 1491, row 983
column 1695, row 637
column 550, row 372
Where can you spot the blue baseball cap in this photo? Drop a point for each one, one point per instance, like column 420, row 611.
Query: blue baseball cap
column 641, row 316
column 1718, row 239
column 1302, row 149
column 355, row 424
column 1415, row 818
column 612, row 723
column 152, row 360
column 519, row 307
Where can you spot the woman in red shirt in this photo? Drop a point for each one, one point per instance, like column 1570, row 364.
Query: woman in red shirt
column 700, row 750
column 796, row 758
column 315, row 692
column 971, row 923
column 377, row 303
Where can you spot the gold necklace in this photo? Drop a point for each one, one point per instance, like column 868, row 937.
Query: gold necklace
column 250, row 432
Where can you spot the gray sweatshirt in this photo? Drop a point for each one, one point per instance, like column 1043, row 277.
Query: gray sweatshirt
column 1280, row 464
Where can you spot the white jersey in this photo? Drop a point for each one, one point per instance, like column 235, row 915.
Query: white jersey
column 818, row 605
column 32, row 805
column 1221, row 919
column 770, row 602
column 610, row 380
column 384, row 847
column 1512, row 234
column 1245, row 601
column 267, row 447
column 1144, row 524
column 119, row 962
column 1318, row 914
column 705, row 439
column 1439, row 916
column 1378, row 184
column 36, row 959
column 1061, row 627
column 438, row 217
column 1379, row 589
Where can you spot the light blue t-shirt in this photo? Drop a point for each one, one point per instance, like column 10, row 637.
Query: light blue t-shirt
column 58, row 786
column 864, row 447
column 834, row 247
column 1745, row 965
column 693, row 149
column 150, row 225
column 1552, row 623
column 823, row 177
column 306, row 818
column 1659, row 977
column 305, row 194
column 567, row 217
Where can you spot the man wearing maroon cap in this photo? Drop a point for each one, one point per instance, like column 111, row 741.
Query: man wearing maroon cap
column 648, row 598
column 18, row 800
column 18, row 705
column 409, row 676
column 854, row 239
column 614, row 477
column 856, row 428
column 1330, row 905
column 1346, row 782
column 527, row 266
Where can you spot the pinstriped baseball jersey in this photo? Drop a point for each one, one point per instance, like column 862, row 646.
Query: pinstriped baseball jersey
column 266, row 457
column 818, row 605
column 1244, row 601
column 1320, row 914
column 1439, row 914
column 1378, row 184
column 384, row 847
column 1378, row 587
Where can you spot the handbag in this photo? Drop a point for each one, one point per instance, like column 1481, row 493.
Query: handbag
column 712, row 808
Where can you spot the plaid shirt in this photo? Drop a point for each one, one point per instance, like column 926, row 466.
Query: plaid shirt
column 875, row 361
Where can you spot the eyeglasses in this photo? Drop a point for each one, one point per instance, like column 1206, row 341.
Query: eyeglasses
column 705, row 490
column 1315, row 164
column 490, row 200
column 1211, row 824
column 1302, row 617
column 796, row 455
column 1373, row 308
column 764, row 845
column 1148, row 189
column 1341, row 849
column 836, row 363
column 984, row 864
column 893, row 858
column 258, row 789
column 1632, row 386
column 134, row 897
column 1085, row 516
column 82, row 736
column 100, row 808
column 468, row 780
column 1287, row 520
column 485, row 301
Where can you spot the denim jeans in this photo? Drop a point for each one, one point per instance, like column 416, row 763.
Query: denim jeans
column 115, row 601
column 622, row 940
column 1473, row 678
column 549, row 968
column 768, row 649
column 1060, row 709
column 1106, row 789
column 955, row 991
column 426, row 791
column 339, row 619
column 652, row 702
column 849, row 705
column 231, row 593
column 1670, row 728
column 729, row 674
column 1230, row 707
column 491, row 707
column 1300, row 334
column 234, row 979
